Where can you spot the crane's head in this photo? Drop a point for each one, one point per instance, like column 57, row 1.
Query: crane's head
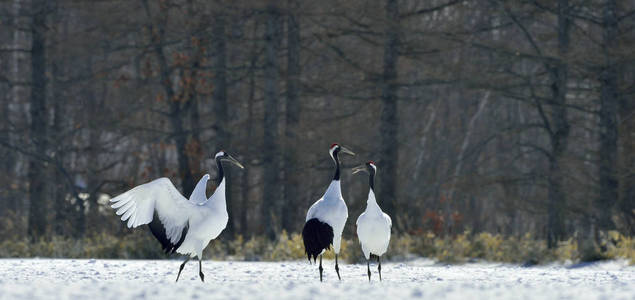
column 222, row 155
column 368, row 167
column 335, row 149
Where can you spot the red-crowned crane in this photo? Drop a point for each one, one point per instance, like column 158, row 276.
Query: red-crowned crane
column 373, row 225
column 181, row 225
column 326, row 218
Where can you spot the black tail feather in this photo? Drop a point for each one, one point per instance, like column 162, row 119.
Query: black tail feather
column 317, row 236
column 158, row 230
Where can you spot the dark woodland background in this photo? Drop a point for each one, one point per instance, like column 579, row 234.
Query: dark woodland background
column 507, row 117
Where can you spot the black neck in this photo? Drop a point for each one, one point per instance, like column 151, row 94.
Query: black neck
column 337, row 166
column 220, row 171
column 371, row 180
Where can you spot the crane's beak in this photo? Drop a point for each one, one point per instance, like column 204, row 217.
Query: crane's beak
column 234, row 161
column 360, row 168
column 347, row 151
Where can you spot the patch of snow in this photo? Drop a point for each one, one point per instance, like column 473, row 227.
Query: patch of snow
column 418, row 279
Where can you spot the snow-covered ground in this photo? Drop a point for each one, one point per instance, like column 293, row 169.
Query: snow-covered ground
column 149, row 279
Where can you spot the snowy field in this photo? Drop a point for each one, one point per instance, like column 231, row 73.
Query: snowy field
column 422, row 279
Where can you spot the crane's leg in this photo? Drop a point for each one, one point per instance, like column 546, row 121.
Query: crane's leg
column 181, row 268
column 337, row 268
column 200, row 269
column 320, row 268
column 379, row 267
column 368, row 265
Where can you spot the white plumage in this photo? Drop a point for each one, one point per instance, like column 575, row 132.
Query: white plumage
column 373, row 228
column 331, row 209
column 199, row 218
column 373, row 225
column 326, row 218
column 206, row 217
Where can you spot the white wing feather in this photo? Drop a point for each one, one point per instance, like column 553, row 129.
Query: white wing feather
column 137, row 206
column 198, row 196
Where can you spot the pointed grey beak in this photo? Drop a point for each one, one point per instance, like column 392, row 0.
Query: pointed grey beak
column 347, row 151
column 360, row 168
column 234, row 161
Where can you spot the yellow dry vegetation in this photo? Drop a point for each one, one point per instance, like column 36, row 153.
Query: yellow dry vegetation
column 461, row 248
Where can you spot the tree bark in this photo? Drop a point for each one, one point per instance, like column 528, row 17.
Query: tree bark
column 220, row 102
column 389, row 122
column 37, row 168
column 176, row 108
column 461, row 160
column 292, row 142
column 245, row 203
column 559, row 131
column 609, row 103
column 60, row 209
column 627, row 141
column 271, row 197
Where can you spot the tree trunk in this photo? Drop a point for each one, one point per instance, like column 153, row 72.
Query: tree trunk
column 220, row 103
column 271, row 197
column 627, row 141
column 608, row 184
column 60, row 209
column 461, row 160
column 559, row 131
column 292, row 142
column 37, row 168
column 247, row 172
column 176, row 110
column 389, row 122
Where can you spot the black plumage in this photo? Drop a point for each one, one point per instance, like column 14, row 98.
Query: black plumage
column 317, row 236
column 158, row 230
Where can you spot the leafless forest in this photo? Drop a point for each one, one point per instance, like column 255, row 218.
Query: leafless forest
column 507, row 117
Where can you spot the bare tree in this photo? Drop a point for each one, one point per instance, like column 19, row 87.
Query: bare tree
column 292, row 117
column 271, row 161
column 39, row 117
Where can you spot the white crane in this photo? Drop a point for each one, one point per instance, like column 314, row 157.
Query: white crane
column 326, row 218
column 373, row 225
column 181, row 225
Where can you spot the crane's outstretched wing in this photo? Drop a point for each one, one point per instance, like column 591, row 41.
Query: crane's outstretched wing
column 198, row 196
column 159, row 204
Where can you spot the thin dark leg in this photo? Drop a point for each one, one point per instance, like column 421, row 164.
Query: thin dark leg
column 200, row 269
column 181, row 268
column 379, row 267
column 368, row 265
column 321, row 269
column 337, row 268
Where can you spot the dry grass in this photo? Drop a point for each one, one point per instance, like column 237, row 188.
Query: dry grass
column 458, row 249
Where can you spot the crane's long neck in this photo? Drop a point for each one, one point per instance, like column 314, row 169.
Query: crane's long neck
column 371, row 204
column 218, row 198
column 334, row 191
column 221, row 175
column 337, row 166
